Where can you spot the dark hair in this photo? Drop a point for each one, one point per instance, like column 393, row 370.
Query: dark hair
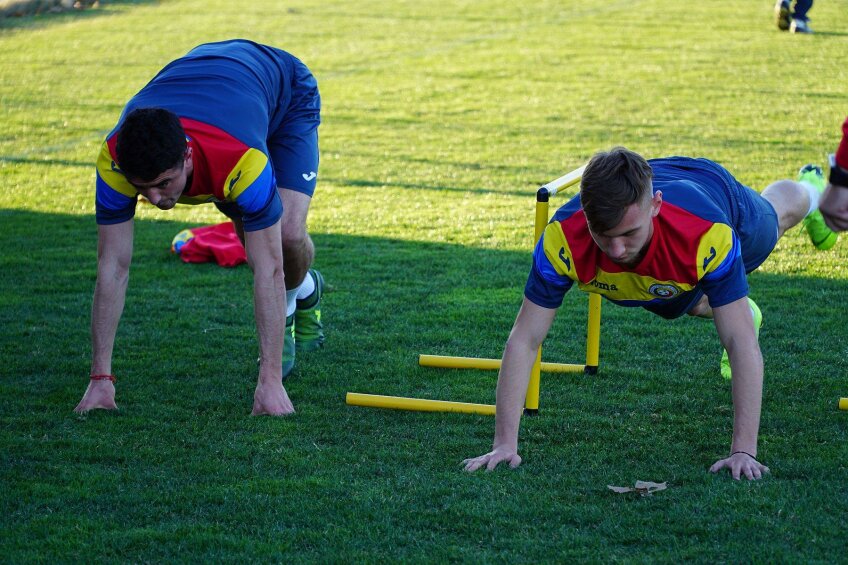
column 612, row 181
column 150, row 141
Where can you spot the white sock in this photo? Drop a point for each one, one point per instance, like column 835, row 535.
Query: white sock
column 307, row 287
column 814, row 195
column 291, row 301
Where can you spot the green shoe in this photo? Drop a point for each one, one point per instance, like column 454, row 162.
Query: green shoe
column 821, row 235
column 308, row 329
column 288, row 347
column 758, row 321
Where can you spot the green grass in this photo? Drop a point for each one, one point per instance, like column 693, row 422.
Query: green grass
column 440, row 120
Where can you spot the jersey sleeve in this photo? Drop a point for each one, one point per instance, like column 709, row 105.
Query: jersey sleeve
column 721, row 270
column 553, row 269
column 252, row 186
column 115, row 198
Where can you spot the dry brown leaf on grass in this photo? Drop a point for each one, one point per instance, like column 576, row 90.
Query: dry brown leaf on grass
column 644, row 488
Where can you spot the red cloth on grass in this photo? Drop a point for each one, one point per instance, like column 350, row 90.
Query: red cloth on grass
column 842, row 152
column 217, row 243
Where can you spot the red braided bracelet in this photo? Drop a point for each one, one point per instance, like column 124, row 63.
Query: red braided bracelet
column 103, row 378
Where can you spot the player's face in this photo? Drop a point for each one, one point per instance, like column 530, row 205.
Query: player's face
column 164, row 191
column 627, row 242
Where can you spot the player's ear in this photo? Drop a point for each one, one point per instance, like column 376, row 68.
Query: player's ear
column 656, row 203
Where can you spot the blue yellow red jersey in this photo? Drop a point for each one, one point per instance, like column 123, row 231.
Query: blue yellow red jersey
column 228, row 96
column 694, row 247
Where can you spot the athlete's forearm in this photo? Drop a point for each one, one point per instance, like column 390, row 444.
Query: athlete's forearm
column 265, row 256
column 514, row 375
column 747, row 393
column 269, row 302
column 107, row 307
column 114, row 254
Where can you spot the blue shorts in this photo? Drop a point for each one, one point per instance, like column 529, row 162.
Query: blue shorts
column 293, row 134
column 756, row 226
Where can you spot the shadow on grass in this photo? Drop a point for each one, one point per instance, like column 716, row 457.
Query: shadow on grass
column 391, row 300
column 183, row 446
column 42, row 20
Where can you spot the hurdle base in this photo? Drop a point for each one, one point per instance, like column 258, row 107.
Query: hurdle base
column 531, row 411
column 590, row 370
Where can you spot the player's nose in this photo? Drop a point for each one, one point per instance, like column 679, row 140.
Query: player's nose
column 616, row 249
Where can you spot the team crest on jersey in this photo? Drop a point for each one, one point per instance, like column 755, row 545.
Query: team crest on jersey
column 664, row 291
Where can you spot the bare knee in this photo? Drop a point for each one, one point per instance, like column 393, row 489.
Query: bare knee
column 701, row 309
column 293, row 236
column 790, row 200
column 298, row 254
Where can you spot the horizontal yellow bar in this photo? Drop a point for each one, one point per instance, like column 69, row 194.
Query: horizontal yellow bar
column 566, row 180
column 417, row 404
column 843, row 403
column 447, row 362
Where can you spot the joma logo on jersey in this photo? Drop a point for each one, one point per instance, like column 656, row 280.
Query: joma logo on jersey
column 663, row 290
column 235, row 180
column 564, row 259
column 710, row 258
column 603, row 286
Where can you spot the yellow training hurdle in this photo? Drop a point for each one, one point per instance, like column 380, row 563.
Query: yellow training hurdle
column 531, row 404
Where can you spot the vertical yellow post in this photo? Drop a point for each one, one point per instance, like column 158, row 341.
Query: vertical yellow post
column 593, row 334
column 531, row 402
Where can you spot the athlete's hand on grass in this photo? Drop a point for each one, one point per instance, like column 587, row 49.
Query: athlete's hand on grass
column 99, row 394
column 493, row 459
column 741, row 464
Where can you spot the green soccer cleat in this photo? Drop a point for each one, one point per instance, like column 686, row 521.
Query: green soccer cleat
column 758, row 321
column 308, row 329
column 822, row 236
column 288, row 347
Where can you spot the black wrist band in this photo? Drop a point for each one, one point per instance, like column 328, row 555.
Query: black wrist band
column 838, row 175
column 745, row 453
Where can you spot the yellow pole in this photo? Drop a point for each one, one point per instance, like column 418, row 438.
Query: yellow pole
column 593, row 334
column 448, row 362
column 843, row 403
column 417, row 404
column 531, row 401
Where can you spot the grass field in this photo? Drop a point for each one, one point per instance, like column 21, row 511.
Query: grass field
column 440, row 120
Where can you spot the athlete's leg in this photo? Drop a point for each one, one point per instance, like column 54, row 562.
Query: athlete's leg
column 790, row 200
column 293, row 149
column 238, row 224
column 298, row 249
column 801, row 9
column 304, row 296
column 701, row 309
